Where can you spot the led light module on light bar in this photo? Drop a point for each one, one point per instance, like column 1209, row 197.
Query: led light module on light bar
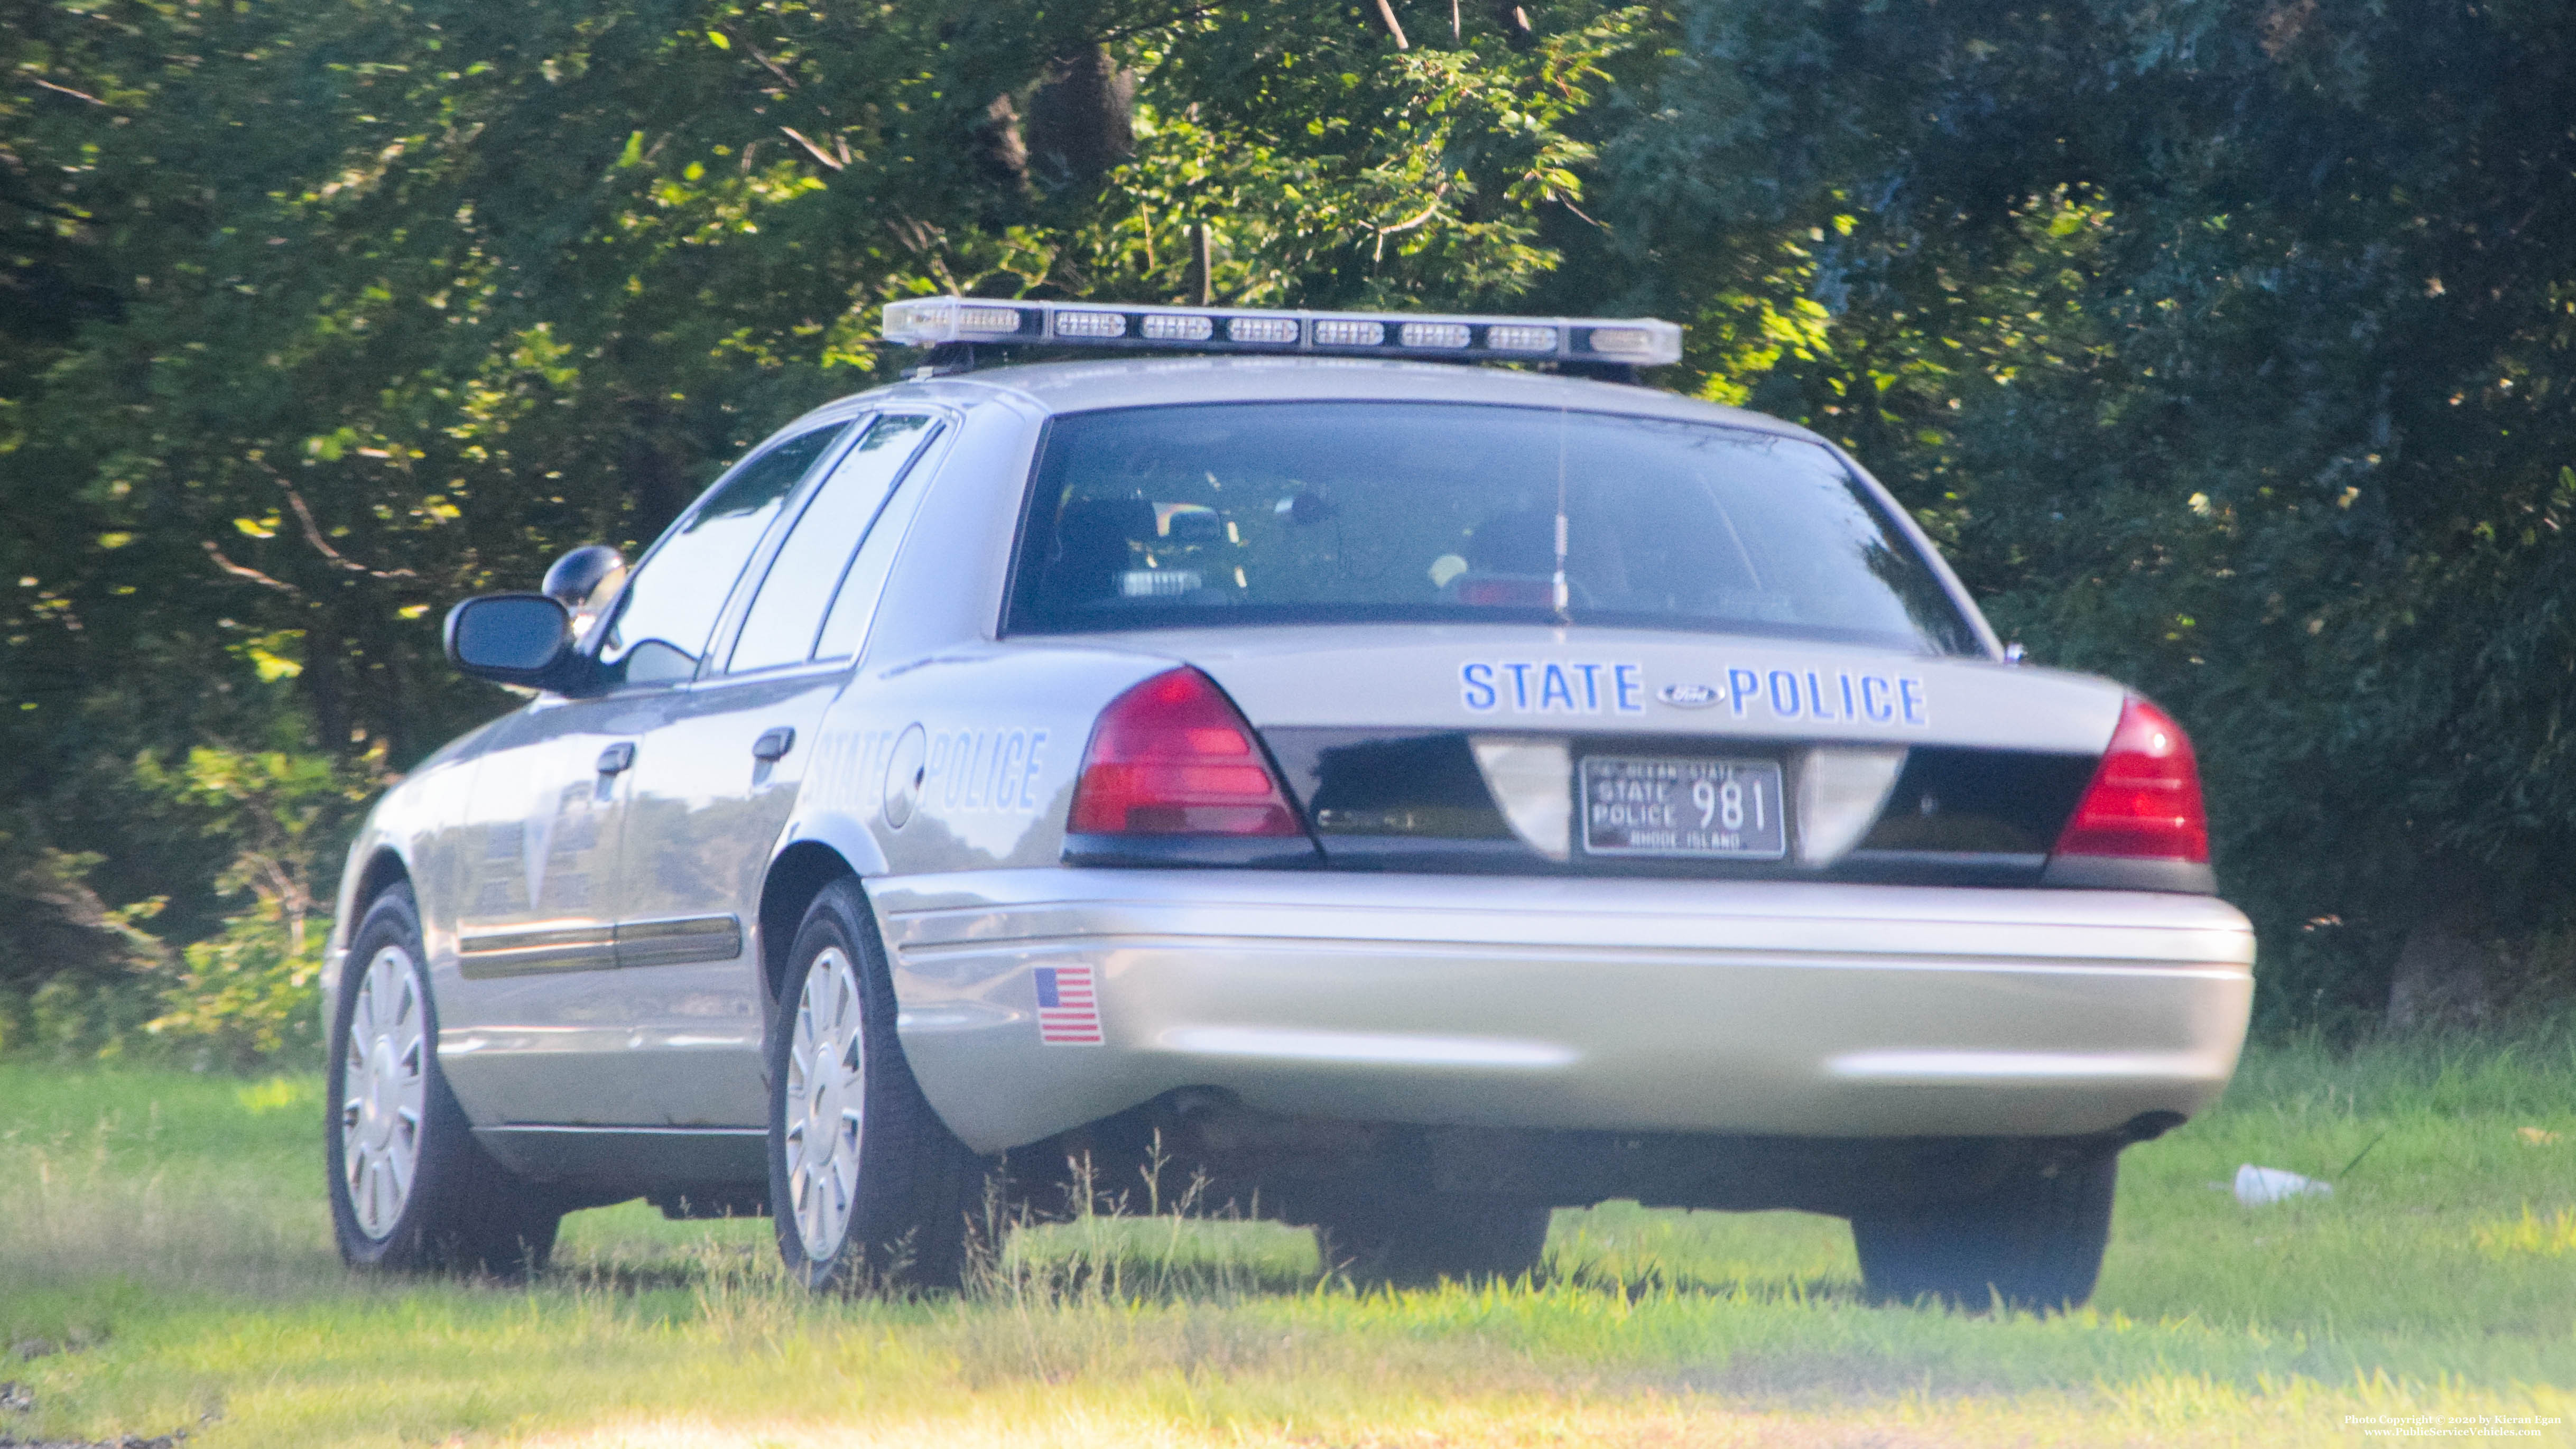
column 928, row 321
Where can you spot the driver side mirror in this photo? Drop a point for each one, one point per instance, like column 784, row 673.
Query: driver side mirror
column 577, row 578
column 509, row 638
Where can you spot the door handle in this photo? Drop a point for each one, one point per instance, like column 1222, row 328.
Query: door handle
column 774, row 743
column 616, row 757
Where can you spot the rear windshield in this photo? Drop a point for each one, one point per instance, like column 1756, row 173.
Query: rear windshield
column 1348, row 512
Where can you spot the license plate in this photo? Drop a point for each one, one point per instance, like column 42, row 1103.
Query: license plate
column 1723, row 808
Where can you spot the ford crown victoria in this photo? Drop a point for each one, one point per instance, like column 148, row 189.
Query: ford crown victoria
column 1415, row 795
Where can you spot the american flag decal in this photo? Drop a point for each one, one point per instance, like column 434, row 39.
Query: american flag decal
column 1068, row 1011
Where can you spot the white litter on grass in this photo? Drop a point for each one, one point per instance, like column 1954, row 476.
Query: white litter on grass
column 2256, row 1186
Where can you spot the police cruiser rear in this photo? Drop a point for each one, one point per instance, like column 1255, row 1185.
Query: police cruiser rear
column 1417, row 795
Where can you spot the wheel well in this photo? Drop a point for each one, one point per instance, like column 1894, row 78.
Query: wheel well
column 383, row 869
column 795, row 878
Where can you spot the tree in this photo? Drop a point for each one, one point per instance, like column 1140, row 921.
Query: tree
column 2223, row 344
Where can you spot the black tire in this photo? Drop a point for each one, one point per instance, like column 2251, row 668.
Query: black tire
column 899, row 1180
column 1416, row 1240
column 2035, row 1244
column 461, row 1211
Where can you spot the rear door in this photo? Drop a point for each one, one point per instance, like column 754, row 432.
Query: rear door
column 714, row 791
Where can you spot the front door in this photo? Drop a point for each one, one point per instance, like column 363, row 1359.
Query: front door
column 534, row 1031
column 715, row 788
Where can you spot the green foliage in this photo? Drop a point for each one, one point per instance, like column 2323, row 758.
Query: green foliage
column 2226, row 346
column 68, row 1019
column 249, row 995
column 252, row 991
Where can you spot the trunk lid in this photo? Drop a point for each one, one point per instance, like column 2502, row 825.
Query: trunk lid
column 1592, row 751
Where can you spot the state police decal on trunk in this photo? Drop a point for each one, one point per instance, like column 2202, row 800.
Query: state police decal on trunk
column 1828, row 696
column 1578, row 687
column 1549, row 686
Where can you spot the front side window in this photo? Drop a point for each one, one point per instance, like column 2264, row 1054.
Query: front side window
column 1345, row 512
column 670, row 607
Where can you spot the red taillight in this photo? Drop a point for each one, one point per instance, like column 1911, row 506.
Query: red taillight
column 1172, row 757
column 2145, row 797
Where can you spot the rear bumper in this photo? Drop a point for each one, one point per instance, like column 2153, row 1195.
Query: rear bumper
column 1791, row 1009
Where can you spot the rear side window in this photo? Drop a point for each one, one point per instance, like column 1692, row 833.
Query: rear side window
column 671, row 604
column 807, row 571
column 1340, row 512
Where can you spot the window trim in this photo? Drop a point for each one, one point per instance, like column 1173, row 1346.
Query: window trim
column 738, row 610
column 928, row 465
column 755, row 570
column 735, row 600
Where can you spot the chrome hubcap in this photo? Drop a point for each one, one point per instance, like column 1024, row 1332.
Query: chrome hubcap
column 826, row 1086
column 383, row 1085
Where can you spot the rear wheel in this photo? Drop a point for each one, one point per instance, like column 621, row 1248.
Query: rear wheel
column 1419, row 1239
column 411, row 1190
column 869, row 1189
column 2035, row 1243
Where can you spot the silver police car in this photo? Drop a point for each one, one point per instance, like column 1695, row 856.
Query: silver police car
column 1416, row 795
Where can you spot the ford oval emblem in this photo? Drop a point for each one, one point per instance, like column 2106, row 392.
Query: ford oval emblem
column 1688, row 696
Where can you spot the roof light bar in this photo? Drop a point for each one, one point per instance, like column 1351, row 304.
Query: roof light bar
column 929, row 321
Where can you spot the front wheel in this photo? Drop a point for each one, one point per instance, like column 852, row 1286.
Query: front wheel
column 869, row 1189
column 411, row 1190
column 2034, row 1244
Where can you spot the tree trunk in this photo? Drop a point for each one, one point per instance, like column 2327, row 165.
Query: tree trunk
column 1201, row 283
column 999, row 149
column 1082, row 118
column 657, row 488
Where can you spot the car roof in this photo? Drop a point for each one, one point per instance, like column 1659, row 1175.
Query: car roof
column 1123, row 382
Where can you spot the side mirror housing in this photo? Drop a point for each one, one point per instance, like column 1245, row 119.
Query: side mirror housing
column 510, row 638
column 578, row 575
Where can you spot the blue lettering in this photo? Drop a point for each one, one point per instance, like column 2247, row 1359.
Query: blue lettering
column 1591, row 687
column 1873, row 699
column 1625, row 683
column 1741, row 685
column 1847, row 695
column 975, row 772
column 1029, row 772
column 1520, row 685
column 937, row 767
column 1552, row 687
column 1784, row 694
column 1816, row 697
column 1005, row 793
column 1911, row 692
column 1476, row 684
column 959, row 762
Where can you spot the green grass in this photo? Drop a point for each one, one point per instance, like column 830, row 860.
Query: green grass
column 165, row 1257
